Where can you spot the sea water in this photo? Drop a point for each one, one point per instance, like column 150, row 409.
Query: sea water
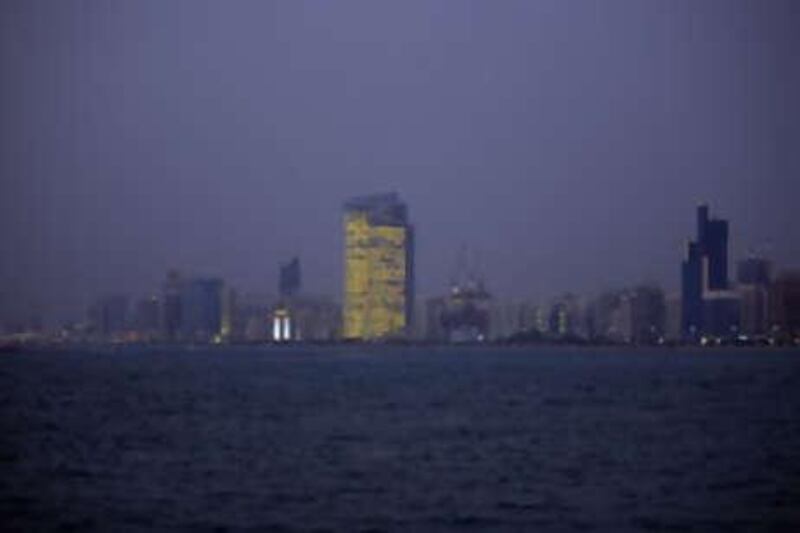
column 396, row 439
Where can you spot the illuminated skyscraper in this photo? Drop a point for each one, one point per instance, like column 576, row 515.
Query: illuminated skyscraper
column 379, row 268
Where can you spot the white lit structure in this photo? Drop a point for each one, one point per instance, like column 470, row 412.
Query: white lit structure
column 281, row 326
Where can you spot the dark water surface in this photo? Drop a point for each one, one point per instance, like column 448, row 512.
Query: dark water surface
column 354, row 439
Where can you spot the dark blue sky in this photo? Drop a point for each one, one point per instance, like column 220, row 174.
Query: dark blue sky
column 566, row 143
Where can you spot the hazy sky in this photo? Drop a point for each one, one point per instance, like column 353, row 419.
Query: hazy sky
column 566, row 143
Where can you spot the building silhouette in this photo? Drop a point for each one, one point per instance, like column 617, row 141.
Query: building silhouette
column 753, row 279
column 466, row 313
column 784, row 303
column 290, row 280
column 202, row 310
column 704, row 274
column 283, row 317
column 649, row 313
column 378, row 268
column 171, row 310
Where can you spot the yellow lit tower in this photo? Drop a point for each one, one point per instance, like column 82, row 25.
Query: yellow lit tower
column 379, row 268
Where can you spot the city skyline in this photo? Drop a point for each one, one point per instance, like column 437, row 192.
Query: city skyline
column 389, row 265
column 758, row 305
column 288, row 273
column 564, row 144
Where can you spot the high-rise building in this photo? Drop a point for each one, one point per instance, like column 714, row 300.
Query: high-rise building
column 672, row 321
column 784, row 306
column 705, row 270
column 202, row 310
column 290, row 280
column 753, row 278
column 712, row 236
column 171, row 311
column 648, row 315
column 284, row 315
column 379, row 268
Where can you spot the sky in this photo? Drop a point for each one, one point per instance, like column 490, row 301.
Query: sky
column 565, row 144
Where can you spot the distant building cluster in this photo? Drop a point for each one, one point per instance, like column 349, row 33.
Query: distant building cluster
column 379, row 302
column 755, row 307
column 208, row 311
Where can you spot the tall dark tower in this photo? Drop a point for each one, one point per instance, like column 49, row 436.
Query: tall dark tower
column 714, row 242
column 290, row 281
column 704, row 269
column 171, row 312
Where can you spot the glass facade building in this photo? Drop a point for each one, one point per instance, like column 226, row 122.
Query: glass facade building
column 379, row 268
column 704, row 271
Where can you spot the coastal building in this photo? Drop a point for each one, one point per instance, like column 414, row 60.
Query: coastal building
column 753, row 279
column 171, row 310
column 201, row 310
column 465, row 316
column 672, row 321
column 704, row 273
column 283, row 316
column 379, row 268
column 648, row 315
column 784, row 306
column 290, row 279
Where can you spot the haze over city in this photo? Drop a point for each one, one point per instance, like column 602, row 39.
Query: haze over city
column 566, row 144
column 410, row 265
